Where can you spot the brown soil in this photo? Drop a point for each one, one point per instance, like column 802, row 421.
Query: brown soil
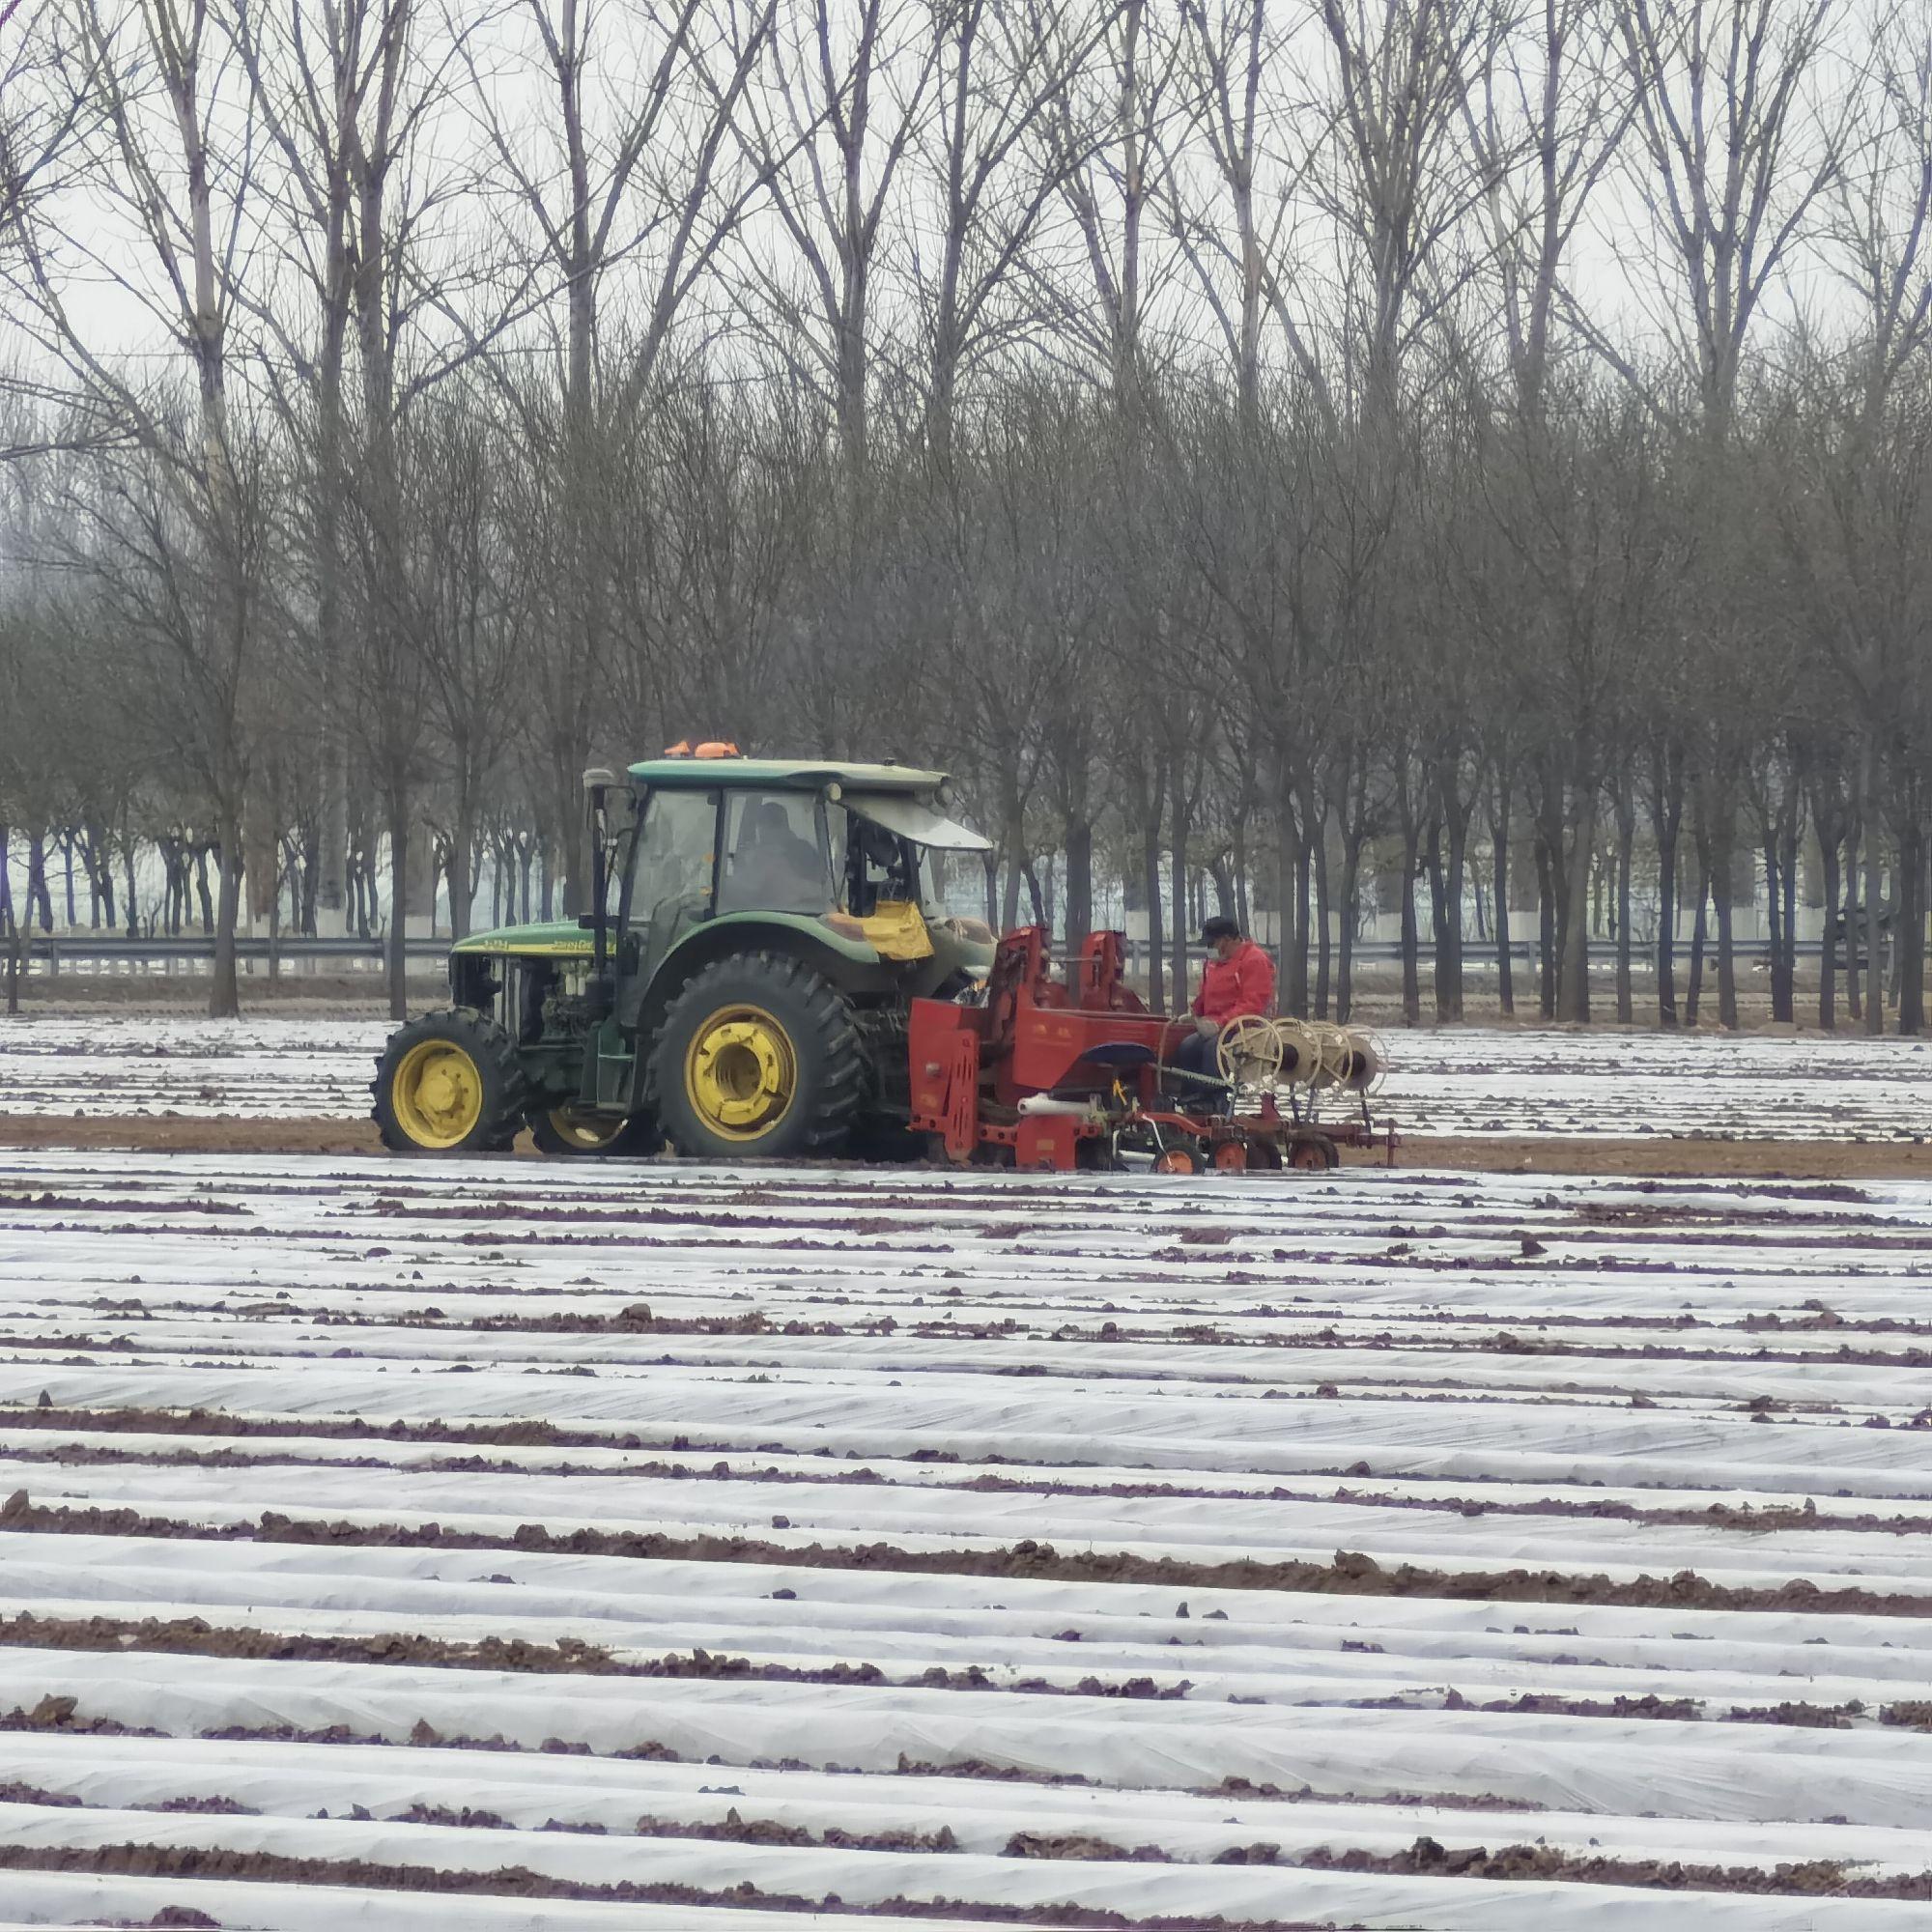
column 1580, row 1153
column 517, row 1882
column 60, row 1715
column 195, row 1636
column 162, row 1134
column 1351, row 1571
column 1584, row 1153
column 1426, row 1858
column 1809, row 1877
column 1717, row 1516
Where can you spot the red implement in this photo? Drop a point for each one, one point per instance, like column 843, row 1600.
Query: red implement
column 1088, row 1046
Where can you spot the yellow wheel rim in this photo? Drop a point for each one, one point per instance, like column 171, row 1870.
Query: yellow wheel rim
column 436, row 1093
column 586, row 1131
column 740, row 1074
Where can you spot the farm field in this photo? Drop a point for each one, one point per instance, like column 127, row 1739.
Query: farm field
column 1463, row 1082
column 676, row 1547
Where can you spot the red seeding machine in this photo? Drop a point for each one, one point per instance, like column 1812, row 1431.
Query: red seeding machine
column 1063, row 1074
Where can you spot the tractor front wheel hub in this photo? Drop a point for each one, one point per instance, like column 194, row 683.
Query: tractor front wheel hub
column 438, row 1094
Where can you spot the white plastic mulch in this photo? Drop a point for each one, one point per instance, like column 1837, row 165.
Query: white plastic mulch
column 823, row 1408
column 1460, row 1081
column 134, row 1063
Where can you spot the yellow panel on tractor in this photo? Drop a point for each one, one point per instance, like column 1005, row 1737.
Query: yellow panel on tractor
column 897, row 929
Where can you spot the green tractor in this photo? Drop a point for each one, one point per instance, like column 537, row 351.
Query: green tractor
column 739, row 988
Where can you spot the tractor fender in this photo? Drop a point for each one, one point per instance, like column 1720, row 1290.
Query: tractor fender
column 854, row 968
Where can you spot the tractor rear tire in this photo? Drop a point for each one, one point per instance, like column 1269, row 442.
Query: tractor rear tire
column 758, row 1059
column 449, row 1083
column 566, row 1131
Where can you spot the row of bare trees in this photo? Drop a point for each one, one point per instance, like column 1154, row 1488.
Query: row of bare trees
column 1277, row 453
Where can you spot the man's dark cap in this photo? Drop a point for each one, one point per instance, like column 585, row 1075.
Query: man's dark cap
column 1220, row 926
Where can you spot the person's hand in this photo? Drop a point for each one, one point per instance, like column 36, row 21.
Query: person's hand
column 1207, row 1029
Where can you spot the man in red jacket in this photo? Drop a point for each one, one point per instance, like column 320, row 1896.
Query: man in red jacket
column 1238, row 979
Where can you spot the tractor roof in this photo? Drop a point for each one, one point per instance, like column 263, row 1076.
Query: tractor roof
column 783, row 773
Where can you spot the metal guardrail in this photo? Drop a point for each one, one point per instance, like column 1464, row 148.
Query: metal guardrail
column 49, row 953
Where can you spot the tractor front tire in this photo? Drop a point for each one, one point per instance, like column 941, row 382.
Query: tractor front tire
column 758, row 1059
column 449, row 1083
column 571, row 1132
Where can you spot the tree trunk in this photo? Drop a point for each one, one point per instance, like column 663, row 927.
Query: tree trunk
column 1720, row 852
column 1177, row 939
column 1015, row 841
column 38, row 899
column 1323, row 945
column 1352, row 919
column 1545, row 929
column 396, row 952
column 1079, row 841
column 1295, row 932
column 1667, row 921
column 1851, row 924
column 1036, row 899
column 1874, row 991
column 1908, row 926
column 462, row 870
column 1773, row 887
column 1290, row 878
column 1828, row 968
column 1727, row 958
column 330, row 916
column 1412, row 982
column 1151, row 887
column 1698, row 932
column 1573, row 1001
column 1438, row 921
column 12, row 946
column 1500, row 829
column 224, row 993
column 1788, row 833
column 1626, row 816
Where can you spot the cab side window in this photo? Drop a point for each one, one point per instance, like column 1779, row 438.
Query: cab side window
column 880, row 867
column 675, row 847
column 772, row 859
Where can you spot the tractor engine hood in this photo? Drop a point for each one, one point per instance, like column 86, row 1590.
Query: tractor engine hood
column 544, row 939
column 911, row 817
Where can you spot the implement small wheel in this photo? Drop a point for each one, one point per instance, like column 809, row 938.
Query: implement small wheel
column 449, row 1083
column 1233, row 1157
column 1314, row 1153
column 758, row 1058
column 1181, row 1157
column 571, row 1131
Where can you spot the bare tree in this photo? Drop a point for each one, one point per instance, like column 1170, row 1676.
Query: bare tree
column 844, row 91
column 1739, row 139
column 626, row 173
column 173, row 154
column 1739, row 147
column 1000, row 74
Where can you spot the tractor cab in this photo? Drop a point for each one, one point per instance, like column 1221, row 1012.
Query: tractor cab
column 741, row 983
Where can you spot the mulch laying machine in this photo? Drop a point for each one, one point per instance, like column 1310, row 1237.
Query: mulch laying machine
column 1060, row 1074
